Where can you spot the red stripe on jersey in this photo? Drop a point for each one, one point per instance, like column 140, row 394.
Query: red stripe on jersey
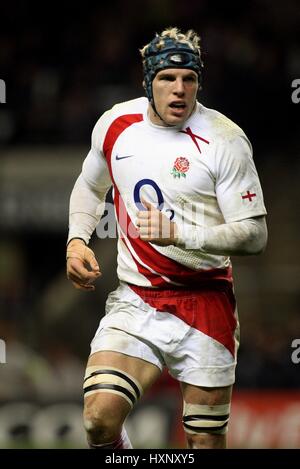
column 156, row 261
column 114, row 131
column 126, row 225
column 116, row 128
column 156, row 280
column 210, row 310
column 161, row 264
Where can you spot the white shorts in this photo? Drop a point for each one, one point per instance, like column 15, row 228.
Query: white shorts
column 194, row 333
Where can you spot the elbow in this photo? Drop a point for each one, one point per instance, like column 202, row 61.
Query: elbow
column 263, row 239
column 263, row 246
column 258, row 244
column 257, row 250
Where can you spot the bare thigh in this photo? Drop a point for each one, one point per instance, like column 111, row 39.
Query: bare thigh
column 144, row 372
column 205, row 396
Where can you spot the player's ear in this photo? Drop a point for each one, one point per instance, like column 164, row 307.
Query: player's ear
column 144, row 85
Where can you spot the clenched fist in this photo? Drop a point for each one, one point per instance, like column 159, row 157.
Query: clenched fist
column 154, row 226
column 82, row 267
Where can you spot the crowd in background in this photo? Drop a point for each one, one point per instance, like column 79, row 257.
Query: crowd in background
column 64, row 66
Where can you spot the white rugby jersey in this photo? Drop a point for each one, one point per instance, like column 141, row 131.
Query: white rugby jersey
column 203, row 171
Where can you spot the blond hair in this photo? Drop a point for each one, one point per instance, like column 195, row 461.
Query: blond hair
column 191, row 38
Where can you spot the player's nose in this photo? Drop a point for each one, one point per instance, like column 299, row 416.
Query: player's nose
column 178, row 87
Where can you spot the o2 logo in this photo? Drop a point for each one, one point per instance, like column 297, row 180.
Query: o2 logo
column 160, row 197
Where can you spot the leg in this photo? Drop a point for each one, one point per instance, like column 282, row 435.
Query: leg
column 110, row 396
column 206, row 414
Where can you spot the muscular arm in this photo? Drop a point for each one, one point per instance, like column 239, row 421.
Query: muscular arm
column 245, row 230
column 245, row 237
column 87, row 200
column 87, row 204
column 86, row 207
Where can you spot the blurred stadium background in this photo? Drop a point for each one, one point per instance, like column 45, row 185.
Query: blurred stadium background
column 63, row 66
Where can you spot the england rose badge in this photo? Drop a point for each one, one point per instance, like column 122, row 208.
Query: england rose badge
column 180, row 167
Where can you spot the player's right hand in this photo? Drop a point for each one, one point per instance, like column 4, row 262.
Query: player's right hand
column 82, row 267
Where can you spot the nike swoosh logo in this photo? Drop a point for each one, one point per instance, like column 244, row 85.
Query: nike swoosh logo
column 123, row 157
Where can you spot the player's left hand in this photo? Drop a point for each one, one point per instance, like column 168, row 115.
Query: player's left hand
column 155, row 227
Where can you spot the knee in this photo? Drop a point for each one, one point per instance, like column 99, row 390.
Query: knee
column 102, row 424
column 206, row 441
column 109, row 396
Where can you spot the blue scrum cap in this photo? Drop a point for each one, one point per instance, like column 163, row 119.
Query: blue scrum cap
column 173, row 54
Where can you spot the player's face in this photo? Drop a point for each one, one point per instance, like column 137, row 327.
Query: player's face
column 174, row 92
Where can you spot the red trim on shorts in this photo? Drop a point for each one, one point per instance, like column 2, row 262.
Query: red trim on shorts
column 155, row 261
column 210, row 309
